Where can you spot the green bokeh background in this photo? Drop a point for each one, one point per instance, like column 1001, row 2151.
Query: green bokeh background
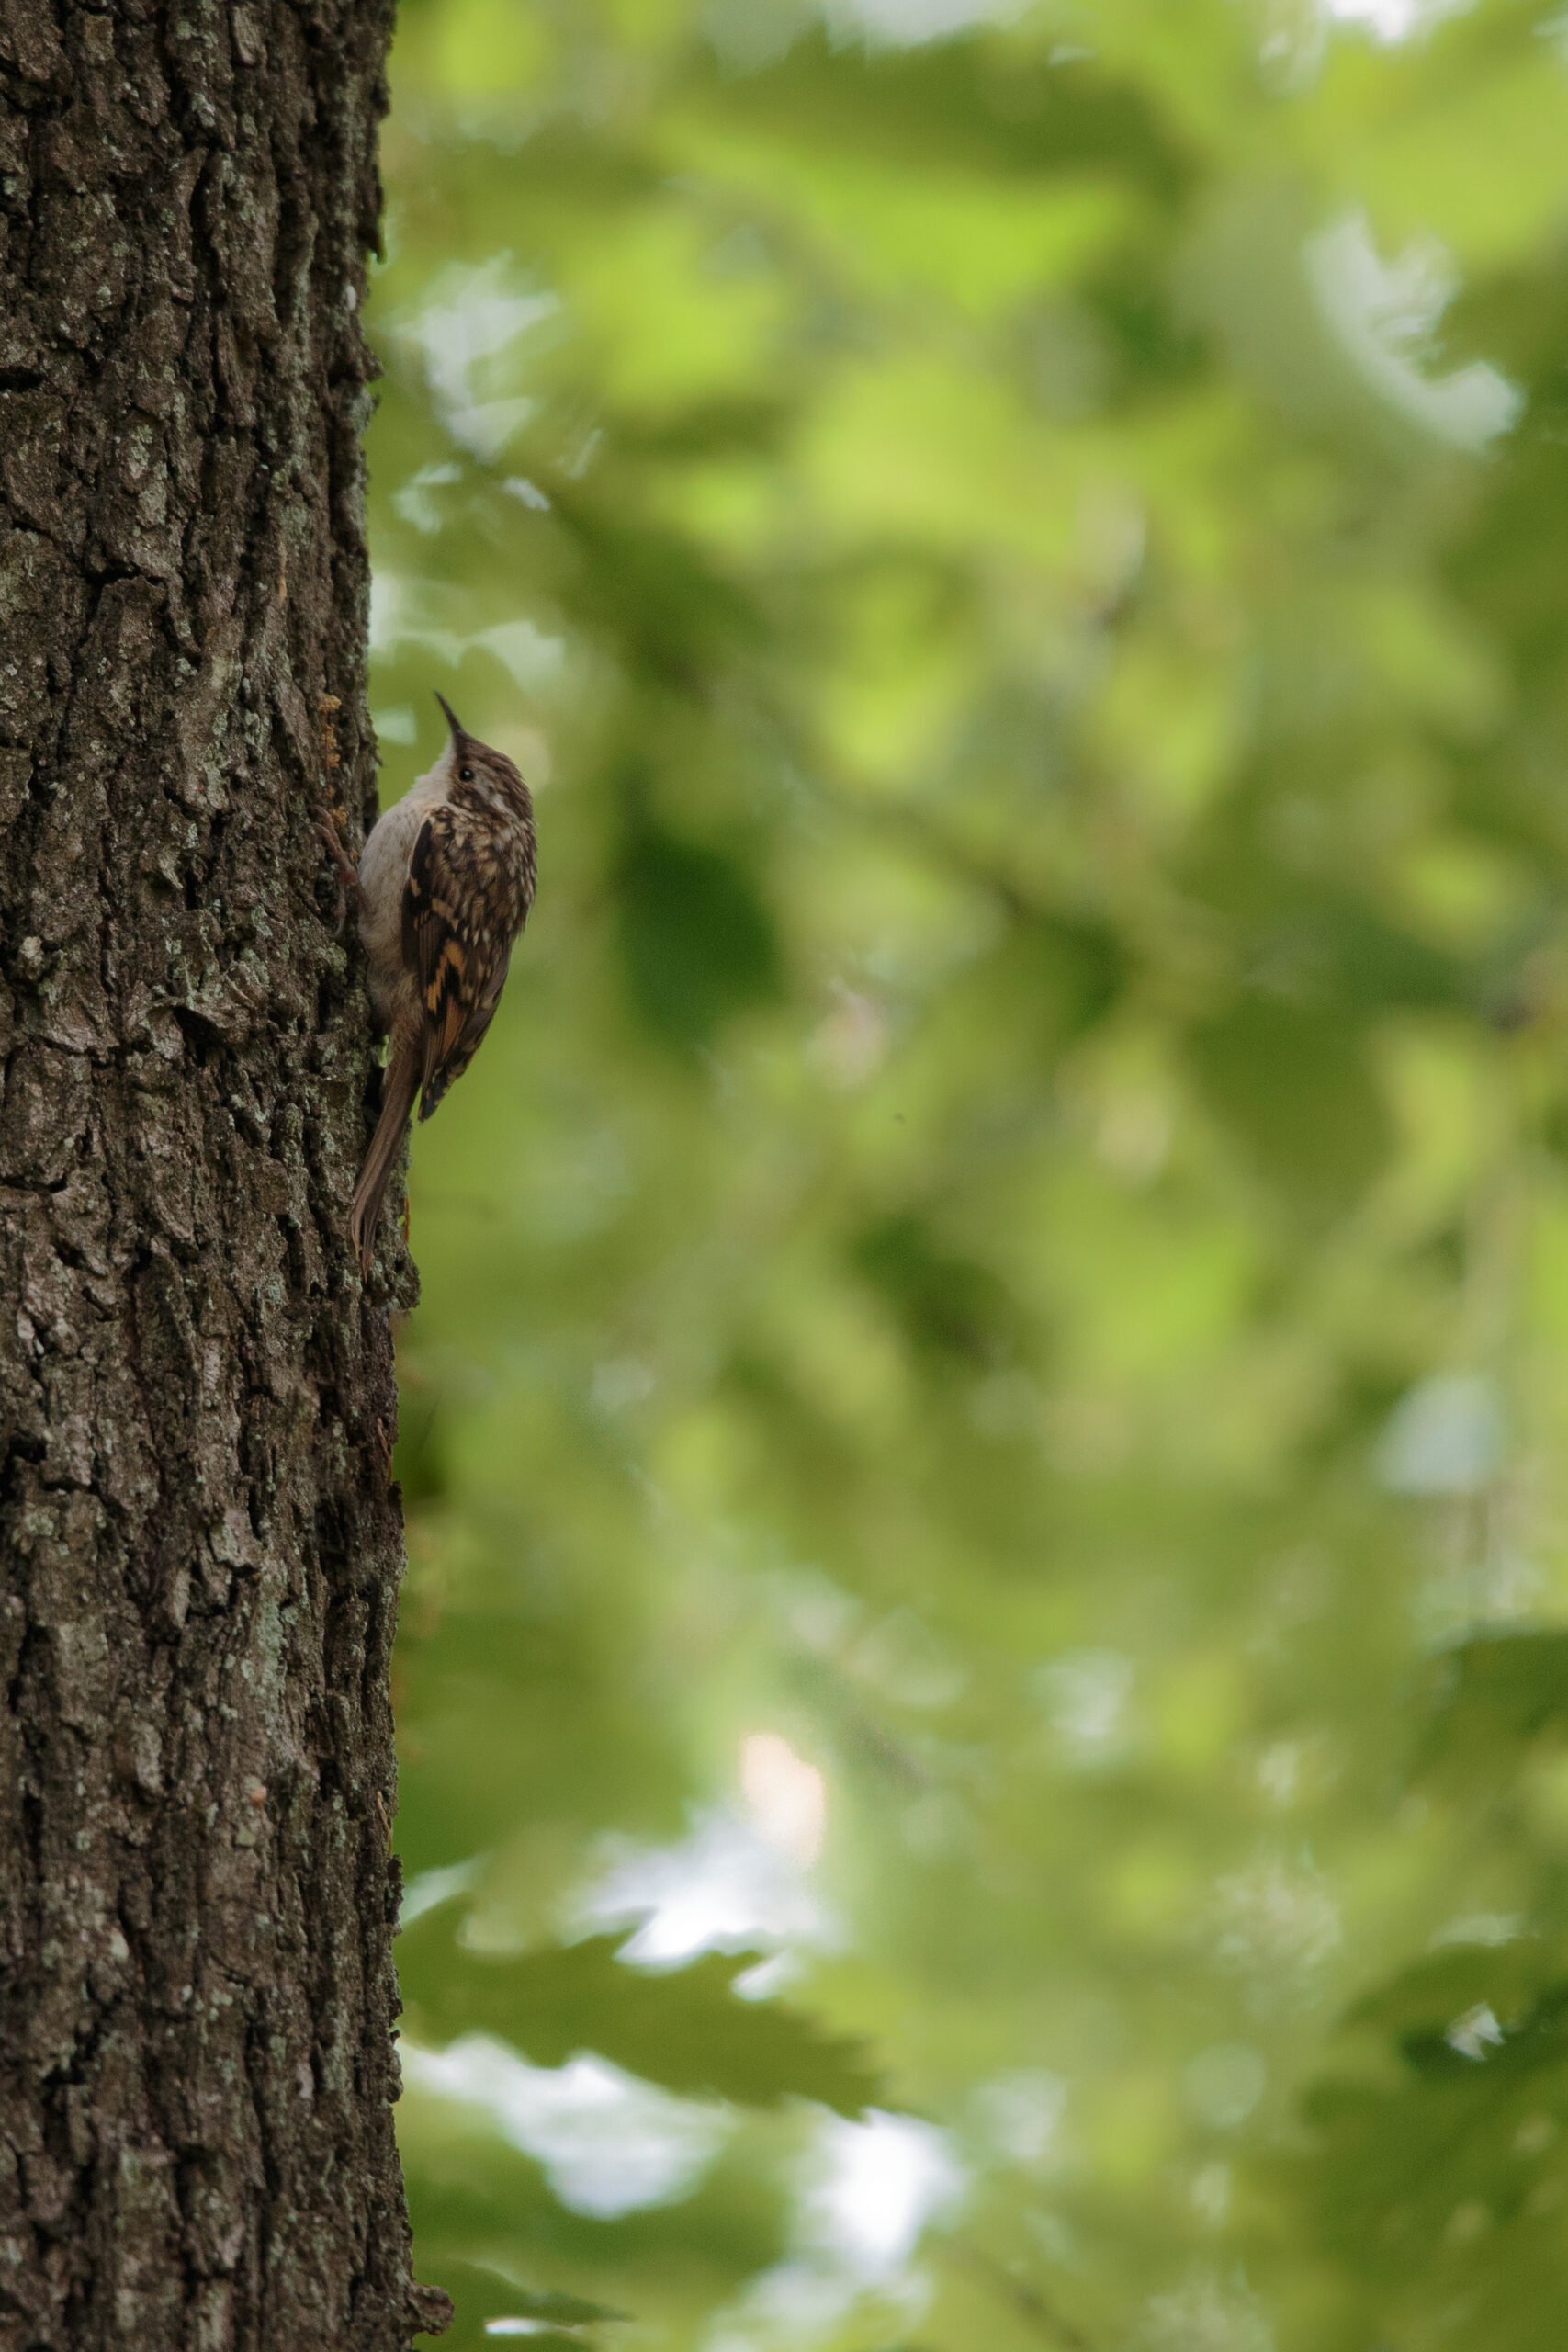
column 984, row 1441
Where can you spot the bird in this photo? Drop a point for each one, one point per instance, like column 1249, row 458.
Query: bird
column 443, row 885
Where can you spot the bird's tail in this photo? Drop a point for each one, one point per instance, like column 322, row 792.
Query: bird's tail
column 397, row 1091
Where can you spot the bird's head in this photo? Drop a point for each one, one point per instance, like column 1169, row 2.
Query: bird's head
column 477, row 773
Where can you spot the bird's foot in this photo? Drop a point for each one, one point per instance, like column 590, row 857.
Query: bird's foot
column 346, row 871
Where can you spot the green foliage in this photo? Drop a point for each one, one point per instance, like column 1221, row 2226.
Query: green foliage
column 683, row 2028
column 1443, row 2187
column 697, row 942
column 548, row 2317
column 988, row 1420
column 1486, row 1699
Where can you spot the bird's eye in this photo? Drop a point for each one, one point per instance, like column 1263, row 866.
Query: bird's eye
column 465, row 775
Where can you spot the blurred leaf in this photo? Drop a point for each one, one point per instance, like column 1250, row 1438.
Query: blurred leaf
column 949, row 1306
column 683, row 2028
column 1521, row 1987
column 1488, row 1698
column 696, row 938
column 1294, row 1084
column 935, row 106
column 567, row 2310
column 1445, row 2180
column 481, row 2295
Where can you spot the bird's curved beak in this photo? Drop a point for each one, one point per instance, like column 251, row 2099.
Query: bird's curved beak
column 453, row 721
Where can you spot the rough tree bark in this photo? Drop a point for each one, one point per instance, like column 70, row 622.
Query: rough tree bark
column 201, row 1545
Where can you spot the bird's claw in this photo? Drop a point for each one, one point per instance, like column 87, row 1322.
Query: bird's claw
column 346, row 871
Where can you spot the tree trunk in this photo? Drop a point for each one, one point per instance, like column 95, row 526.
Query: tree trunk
column 201, row 1546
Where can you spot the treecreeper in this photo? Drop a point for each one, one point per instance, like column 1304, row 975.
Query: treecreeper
column 444, row 884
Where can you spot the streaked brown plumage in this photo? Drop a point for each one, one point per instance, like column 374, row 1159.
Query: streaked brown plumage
column 445, row 882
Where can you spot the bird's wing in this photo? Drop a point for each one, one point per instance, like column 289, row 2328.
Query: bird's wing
column 453, row 944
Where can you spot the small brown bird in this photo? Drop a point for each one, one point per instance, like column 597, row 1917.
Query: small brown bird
column 443, row 886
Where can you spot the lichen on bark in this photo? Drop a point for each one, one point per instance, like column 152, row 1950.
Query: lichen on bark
column 199, row 1543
